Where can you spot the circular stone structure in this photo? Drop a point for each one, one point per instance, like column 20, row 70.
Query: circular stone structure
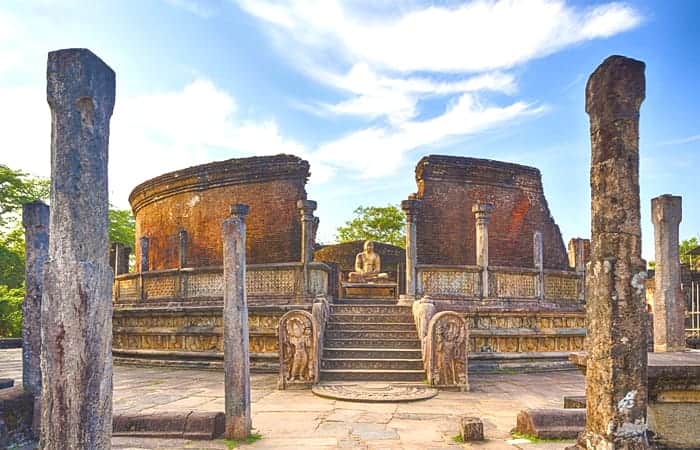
column 374, row 392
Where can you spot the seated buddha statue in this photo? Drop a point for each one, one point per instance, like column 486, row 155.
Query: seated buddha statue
column 367, row 266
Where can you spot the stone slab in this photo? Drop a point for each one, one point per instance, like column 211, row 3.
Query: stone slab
column 471, row 429
column 553, row 423
column 16, row 415
column 574, row 401
column 170, row 424
column 374, row 392
column 6, row 383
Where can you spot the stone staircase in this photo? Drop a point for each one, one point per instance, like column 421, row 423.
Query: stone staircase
column 371, row 340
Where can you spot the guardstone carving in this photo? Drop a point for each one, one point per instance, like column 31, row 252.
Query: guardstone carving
column 448, row 337
column 297, row 350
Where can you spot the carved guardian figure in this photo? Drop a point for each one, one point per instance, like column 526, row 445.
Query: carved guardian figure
column 448, row 338
column 297, row 349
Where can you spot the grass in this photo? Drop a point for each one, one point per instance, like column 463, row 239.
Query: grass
column 233, row 443
column 458, row 439
column 535, row 439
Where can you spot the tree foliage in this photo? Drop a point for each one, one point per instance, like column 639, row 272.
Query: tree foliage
column 377, row 223
column 11, row 311
column 686, row 246
column 122, row 226
column 17, row 188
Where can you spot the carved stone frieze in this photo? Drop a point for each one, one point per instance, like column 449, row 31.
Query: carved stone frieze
column 454, row 283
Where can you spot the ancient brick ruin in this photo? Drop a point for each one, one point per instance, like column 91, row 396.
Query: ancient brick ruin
column 449, row 185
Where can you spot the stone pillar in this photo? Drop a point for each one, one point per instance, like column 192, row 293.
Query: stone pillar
column 538, row 261
column 76, row 309
column 143, row 250
column 616, row 375
column 306, row 209
column 236, row 357
column 35, row 218
column 119, row 258
column 410, row 208
column 579, row 252
column 183, row 239
column 482, row 213
column 669, row 303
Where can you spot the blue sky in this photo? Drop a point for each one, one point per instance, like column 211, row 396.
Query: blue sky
column 363, row 90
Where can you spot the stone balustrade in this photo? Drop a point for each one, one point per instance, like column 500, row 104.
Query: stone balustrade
column 463, row 283
column 265, row 283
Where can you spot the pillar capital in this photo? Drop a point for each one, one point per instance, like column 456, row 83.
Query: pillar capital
column 666, row 208
column 410, row 207
column 306, row 208
column 239, row 210
column 616, row 88
column 482, row 211
column 35, row 213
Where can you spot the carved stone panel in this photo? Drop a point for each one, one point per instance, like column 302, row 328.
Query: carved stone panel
column 297, row 350
column 275, row 282
column 448, row 338
column 449, row 283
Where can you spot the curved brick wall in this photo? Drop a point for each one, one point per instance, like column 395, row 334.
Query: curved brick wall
column 344, row 254
column 450, row 185
column 197, row 200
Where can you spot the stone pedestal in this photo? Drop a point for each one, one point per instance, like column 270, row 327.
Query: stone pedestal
column 482, row 213
column 669, row 304
column 616, row 394
column 76, row 309
column 236, row 356
column 410, row 208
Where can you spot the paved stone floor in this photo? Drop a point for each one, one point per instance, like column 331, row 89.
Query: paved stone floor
column 301, row 420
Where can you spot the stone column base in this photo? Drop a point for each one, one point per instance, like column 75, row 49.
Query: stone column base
column 406, row 300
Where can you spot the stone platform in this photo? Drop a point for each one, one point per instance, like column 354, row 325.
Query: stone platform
column 298, row 419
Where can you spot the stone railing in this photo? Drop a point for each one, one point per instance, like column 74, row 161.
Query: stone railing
column 270, row 283
column 504, row 283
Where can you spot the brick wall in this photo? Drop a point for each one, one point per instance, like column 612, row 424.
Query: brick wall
column 198, row 199
column 448, row 187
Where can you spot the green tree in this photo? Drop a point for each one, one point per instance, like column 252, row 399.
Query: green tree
column 377, row 223
column 17, row 188
column 11, row 311
column 686, row 246
column 122, row 226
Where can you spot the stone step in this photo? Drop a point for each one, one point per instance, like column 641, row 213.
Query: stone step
column 371, row 334
column 371, row 364
column 380, row 353
column 373, row 343
column 371, row 375
column 371, row 309
column 358, row 326
column 371, row 318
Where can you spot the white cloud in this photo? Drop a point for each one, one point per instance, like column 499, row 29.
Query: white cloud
column 379, row 151
column 472, row 37
column 203, row 9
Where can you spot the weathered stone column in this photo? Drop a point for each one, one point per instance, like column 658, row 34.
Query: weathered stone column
column 410, row 208
column 119, row 258
column 182, row 248
column 35, row 218
column 482, row 213
column 144, row 265
column 76, row 309
column 306, row 209
column 236, row 357
column 579, row 252
column 538, row 261
column 669, row 303
column 616, row 375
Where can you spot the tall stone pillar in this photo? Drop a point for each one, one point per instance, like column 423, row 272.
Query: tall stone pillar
column 410, row 208
column 579, row 252
column 538, row 261
column 616, row 375
column 144, row 265
column 182, row 248
column 35, row 218
column 306, row 209
column 119, row 258
column 236, row 357
column 669, row 303
column 76, row 309
column 482, row 213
